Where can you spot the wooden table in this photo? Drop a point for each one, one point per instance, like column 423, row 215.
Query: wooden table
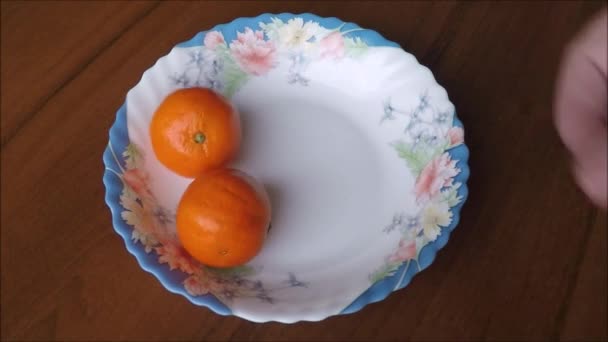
column 528, row 260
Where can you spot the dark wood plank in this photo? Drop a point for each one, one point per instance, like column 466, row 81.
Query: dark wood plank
column 46, row 43
column 589, row 298
column 505, row 274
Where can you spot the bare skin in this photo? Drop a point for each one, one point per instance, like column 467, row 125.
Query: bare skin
column 581, row 106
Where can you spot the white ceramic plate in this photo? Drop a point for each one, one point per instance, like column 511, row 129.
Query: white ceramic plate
column 355, row 142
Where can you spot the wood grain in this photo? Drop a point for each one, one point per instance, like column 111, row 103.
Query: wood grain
column 46, row 43
column 527, row 262
column 590, row 287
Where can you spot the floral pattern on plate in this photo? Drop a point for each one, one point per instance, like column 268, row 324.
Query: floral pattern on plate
column 226, row 66
column 425, row 154
column 154, row 228
column 424, row 150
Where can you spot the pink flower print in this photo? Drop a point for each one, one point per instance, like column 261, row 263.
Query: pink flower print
column 253, row 54
column 137, row 180
column 332, row 45
column 406, row 251
column 437, row 174
column 213, row 39
column 456, row 136
column 176, row 257
column 195, row 286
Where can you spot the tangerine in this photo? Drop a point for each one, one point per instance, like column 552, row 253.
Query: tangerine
column 223, row 218
column 195, row 130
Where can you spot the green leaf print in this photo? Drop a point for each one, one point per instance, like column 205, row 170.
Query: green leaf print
column 417, row 157
column 234, row 78
column 133, row 157
column 386, row 270
column 355, row 47
column 451, row 195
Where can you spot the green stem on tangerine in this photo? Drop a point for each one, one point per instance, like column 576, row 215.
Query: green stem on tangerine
column 199, row 138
